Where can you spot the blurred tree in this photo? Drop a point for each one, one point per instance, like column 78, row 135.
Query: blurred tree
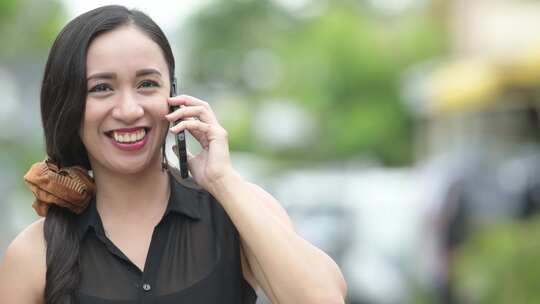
column 28, row 27
column 27, row 31
column 500, row 264
column 339, row 60
column 7, row 8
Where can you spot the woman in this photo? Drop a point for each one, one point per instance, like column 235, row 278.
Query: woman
column 135, row 233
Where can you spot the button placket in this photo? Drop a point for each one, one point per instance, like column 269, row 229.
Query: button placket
column 148, row 278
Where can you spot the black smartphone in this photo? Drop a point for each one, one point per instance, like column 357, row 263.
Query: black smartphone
column 180, row 139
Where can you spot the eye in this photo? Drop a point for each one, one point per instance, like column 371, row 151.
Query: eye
column 148, row 84
column 102, row 87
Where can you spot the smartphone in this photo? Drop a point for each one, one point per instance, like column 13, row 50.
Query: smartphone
column 180, row 139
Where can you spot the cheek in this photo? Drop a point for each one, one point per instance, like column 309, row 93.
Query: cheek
column 92, row 117
column 163, row 107
column 164, row 110
column 159, row 108
column 161, row 111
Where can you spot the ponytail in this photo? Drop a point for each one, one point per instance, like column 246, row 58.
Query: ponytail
column 62, row 258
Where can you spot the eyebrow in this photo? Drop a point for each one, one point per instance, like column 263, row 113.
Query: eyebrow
column 145, row 72
column 139, row 73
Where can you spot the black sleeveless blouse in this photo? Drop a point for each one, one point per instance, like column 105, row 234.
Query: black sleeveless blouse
column 194, row 257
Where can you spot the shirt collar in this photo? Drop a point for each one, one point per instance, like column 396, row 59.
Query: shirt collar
column 89, row 219
column 185, row 199
column 185, row 196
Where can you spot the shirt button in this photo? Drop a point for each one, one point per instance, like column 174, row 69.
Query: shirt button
column 146, row 287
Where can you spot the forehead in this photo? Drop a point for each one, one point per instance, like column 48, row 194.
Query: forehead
column 124, row 50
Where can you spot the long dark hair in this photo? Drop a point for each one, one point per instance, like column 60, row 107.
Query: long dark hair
column 63, row 102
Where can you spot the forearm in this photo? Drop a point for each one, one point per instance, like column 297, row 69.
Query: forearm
column 296, row 271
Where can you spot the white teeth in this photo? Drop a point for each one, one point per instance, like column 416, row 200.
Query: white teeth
column 129, row 137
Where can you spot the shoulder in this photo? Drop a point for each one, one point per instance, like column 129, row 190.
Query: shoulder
column 23, row 268
column 27, row 250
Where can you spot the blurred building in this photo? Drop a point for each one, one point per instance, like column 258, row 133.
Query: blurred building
column 494, row 67
column 477, row 121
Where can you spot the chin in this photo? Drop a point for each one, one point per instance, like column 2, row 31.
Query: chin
column 125, row 165
column 131, row 167
column 124, row 170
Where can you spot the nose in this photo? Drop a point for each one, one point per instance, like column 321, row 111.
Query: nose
column 127, row 109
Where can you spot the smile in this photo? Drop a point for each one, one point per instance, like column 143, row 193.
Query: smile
column 129, row 139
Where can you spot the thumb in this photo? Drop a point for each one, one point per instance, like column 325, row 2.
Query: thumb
column 189, row 155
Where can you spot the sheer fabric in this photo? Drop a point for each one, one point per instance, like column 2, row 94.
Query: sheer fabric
column 194, row 257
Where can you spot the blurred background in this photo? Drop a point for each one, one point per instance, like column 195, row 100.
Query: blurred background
column 402, row 136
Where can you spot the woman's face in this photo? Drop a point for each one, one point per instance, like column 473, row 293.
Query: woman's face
column 128, row 85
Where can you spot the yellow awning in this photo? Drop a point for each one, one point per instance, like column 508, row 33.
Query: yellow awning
column 463, row 86
column 473, row 84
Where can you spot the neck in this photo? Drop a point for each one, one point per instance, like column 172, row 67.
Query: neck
column 131, row 196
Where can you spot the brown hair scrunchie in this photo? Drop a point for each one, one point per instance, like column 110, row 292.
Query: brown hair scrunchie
column 69, row 187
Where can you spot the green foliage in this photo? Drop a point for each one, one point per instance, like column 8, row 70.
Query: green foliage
column 343, row 66
column 28, row 27
column 500, row 264
column 7, row 9
column 27, row 30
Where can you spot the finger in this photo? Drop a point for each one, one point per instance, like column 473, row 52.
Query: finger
column 191, row 125
column 199, row 130
column 190, row 156
column 199, row 112
column 201, row 137
column 187, row 100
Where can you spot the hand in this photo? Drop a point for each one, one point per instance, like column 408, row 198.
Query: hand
column 213, row 162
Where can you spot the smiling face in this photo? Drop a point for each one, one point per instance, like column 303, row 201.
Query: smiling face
column 128, row 85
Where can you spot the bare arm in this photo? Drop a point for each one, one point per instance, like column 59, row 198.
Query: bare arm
column 22, row 270
column 288, row 268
